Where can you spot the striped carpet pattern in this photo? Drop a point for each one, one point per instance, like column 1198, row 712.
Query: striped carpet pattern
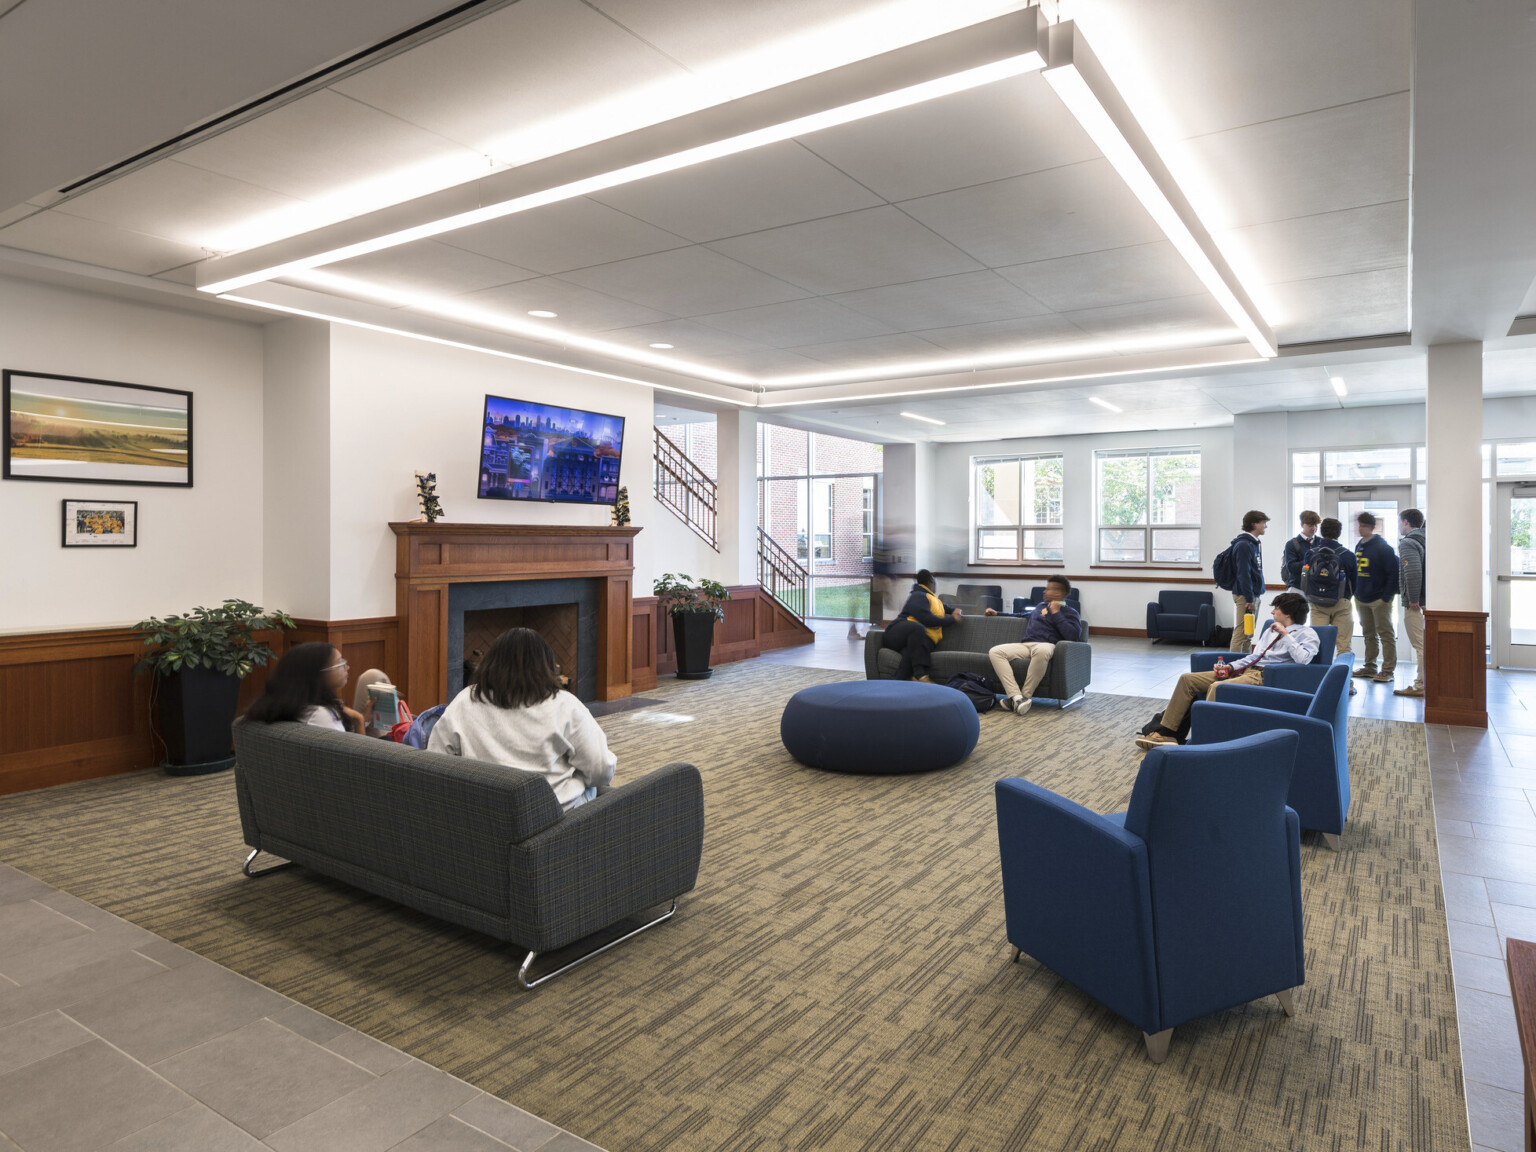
column 840, row 978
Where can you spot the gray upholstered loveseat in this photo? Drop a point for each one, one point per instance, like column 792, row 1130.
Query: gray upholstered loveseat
column 964, row 649
column 481, row 845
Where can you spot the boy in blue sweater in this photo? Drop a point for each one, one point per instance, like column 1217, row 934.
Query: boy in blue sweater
column 1375, row 591
column 1050, row 621
column 1248, row 559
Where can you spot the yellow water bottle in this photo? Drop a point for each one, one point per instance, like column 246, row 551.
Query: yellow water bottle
column 1247, row 623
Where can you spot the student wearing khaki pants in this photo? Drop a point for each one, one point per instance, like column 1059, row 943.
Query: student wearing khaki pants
column 1411, row 560
column 1375, row 594
column 1341, row 613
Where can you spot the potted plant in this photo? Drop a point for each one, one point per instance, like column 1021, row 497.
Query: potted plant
column 198, row 661
column 694, row 608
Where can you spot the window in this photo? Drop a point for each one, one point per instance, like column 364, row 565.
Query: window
column 1016, row 509
column 868, row 498
column 821, row 507
column 1148, row 506
column 1368, row 464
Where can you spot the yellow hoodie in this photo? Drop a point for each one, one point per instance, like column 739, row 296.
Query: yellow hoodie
column 936, row 606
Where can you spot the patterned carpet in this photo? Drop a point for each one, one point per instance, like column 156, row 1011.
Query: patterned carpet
column 840, row 979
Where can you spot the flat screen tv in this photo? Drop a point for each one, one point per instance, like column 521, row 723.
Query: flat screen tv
column 534, row 451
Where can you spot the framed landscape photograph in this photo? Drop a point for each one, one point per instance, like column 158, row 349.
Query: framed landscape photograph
column 95, row 431
column 101, row 523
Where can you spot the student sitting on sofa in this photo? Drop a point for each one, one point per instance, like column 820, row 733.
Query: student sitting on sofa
column 515, row 713
column 1289, row 640
column 1050, row 622
column 918, row 630
column 303, row 687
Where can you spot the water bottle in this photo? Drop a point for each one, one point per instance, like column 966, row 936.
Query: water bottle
column 1221, row 670
column 1248, row 624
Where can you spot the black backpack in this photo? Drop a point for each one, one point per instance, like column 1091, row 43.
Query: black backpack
column 1224, row 568
column 981, row 691
column 1322, row 576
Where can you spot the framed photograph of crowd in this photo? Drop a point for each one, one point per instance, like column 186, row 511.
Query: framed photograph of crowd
column 101, row 523
column 95, row 431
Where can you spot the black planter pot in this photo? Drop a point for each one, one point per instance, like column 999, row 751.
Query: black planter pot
column 197, row 708
column 693, row 633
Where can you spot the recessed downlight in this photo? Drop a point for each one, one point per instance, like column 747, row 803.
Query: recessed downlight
column 661, row 345
column 1105, row 404
column 924, row 419
column 542, row 313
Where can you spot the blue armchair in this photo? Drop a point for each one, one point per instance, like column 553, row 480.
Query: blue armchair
column 1186, row 904
column 1037, row 594
column 1320, row 786
column 976, row 597
column 1182, row 616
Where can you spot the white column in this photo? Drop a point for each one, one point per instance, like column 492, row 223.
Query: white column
column 736, row 526
column 1261, row 457
column 1454, row 424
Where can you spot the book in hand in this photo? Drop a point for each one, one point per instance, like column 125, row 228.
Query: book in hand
column 383, row 707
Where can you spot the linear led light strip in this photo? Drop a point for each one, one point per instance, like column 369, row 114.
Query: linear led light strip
column 1083, row 85
column 354, row 323
column 968, row 58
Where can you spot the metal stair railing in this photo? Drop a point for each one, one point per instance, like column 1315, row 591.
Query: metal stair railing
column 682, row 487
column 781, row 575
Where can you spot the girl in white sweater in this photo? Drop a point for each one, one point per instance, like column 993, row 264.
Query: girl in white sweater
column 515, row 713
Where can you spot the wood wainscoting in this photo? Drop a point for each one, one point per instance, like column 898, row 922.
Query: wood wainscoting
column 363, row 644
column 754, row 623
column 1456, row 668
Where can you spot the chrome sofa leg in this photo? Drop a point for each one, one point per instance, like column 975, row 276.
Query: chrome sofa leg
column 1287, row 1001
column 1331, row 839
column 253, row 873
column 528, row 985
column 1157, row 1044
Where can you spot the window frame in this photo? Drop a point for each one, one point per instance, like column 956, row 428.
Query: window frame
column 1146, row 526
column 1024, row 526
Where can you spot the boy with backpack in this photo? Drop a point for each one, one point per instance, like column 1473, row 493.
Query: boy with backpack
column 1328, row 582
column 1296, row 549
column 1239, row 569
column 1411, row 556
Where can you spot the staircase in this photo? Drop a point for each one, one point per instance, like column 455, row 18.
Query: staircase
column 682, row 487
column 781, row 575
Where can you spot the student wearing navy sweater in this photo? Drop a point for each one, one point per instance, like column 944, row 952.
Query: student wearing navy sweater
column 1050, row 622
column 1248, row 559
column 1375, row 591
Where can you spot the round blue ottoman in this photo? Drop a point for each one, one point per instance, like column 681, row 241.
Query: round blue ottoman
column 879, row 726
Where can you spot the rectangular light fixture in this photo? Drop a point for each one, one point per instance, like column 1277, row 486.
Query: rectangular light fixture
column 924, row 419
column 1102, row 403
column 1083, row 85
column 1339, row 389
column 954, row 62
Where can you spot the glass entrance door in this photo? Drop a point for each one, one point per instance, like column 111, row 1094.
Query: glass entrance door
column 1514, row 558
column 1384, row 502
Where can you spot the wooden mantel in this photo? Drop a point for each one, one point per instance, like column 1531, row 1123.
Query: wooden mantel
column 430, row 557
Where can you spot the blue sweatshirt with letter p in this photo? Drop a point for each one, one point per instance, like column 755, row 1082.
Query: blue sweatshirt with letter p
column 1376, row 576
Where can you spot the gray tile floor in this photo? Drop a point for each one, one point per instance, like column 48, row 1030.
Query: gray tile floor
column 112, row 1038
column 1485, row 815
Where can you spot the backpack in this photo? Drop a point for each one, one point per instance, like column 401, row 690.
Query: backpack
column 1224, row 568
column 1322, row 576
column 416, row 733
column 980, row 690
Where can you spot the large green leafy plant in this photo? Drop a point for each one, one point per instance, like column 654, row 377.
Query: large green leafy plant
column 680, row 595
column 223, row 639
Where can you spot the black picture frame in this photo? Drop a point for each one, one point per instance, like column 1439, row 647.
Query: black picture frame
column 16, row 467
column 70, row 511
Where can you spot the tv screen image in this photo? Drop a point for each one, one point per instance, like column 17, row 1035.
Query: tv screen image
column 534, row 451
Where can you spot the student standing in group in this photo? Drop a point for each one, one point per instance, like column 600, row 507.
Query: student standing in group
column 1296, row 548
column 1248, row 564
column 1411, row 554
column 1375, row 590
column 1328, row 583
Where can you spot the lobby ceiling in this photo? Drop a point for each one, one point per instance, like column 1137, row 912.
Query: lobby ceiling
column 938, row 246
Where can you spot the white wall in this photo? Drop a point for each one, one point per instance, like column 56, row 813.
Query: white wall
column 197, row 545
column 400, row 405
column 296, row 409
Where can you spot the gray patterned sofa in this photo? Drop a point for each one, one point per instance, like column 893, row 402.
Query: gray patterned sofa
column 477, row 844
column 964, row 649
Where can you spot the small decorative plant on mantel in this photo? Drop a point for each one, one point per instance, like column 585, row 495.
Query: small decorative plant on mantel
column 201, row 658
column 694, row 608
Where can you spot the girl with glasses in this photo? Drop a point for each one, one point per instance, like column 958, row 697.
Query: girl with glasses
column 305, row 686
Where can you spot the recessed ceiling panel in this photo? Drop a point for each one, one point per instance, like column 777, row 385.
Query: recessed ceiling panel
column 1106, row 278
column 875, row 350
column 687, row 282
column 1054, row 332
column 430, row 267
column 689, row 339
column 92, row 242
column 843, row 253
column 1079, row 208
column 971, row 297
column 1190, row 321
column 795, row 322
column 764, row 188
column 990, row 133
column 1339, row 307
column 1325, row 244
column 560, row 237
column 578, row 308
column 502, row 84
